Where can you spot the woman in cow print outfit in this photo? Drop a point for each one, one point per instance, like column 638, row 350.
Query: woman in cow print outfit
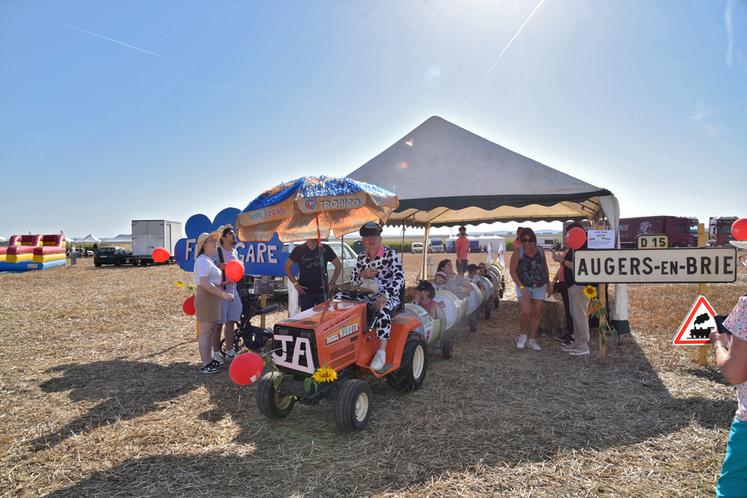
column 383, row 265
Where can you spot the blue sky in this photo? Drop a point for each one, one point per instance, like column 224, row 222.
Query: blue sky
column 111, row 110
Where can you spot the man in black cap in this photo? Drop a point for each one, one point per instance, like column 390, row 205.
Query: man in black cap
column 382, row 264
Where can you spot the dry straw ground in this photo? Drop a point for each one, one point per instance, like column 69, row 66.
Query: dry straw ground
column 99, row 394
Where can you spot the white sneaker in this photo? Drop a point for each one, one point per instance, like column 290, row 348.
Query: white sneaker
column 218, row 358
column 522, row 341
column 532, row 343
column 379, row 360
column 579, row 352
column 230, row 355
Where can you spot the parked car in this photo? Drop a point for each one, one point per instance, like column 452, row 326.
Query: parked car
column 547, row 243
column 344, row 252
column 436, row 246
column 416, row 248
column 110, row 256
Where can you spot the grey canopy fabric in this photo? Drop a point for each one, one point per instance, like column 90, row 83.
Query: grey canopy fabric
column 446, row 175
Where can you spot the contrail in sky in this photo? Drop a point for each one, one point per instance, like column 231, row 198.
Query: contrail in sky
column 500, row 55
column 85, row 31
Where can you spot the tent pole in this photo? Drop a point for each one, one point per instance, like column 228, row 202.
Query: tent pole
column 424, row 269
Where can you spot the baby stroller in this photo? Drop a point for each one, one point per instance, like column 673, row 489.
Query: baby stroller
column 247, row 335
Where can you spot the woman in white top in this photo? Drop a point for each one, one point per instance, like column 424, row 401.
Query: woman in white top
column 208, row 279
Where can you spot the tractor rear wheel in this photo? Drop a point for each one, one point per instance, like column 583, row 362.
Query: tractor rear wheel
column 353, row 405
column 411, row 373
column 271, row 403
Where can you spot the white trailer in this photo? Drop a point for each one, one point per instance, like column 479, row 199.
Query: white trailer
column 150, row 234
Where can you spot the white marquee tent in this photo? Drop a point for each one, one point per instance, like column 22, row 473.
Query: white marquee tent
column 445, row 175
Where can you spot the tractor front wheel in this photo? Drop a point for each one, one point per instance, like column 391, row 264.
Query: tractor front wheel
column 488, row 311
column 411, row 373
column 472, row 321
column 271, row 403
column 353, row 405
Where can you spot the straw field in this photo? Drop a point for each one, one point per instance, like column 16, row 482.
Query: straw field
column 100, row 395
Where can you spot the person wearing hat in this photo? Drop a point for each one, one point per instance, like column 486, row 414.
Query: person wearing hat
column 382, row 264
column 230, row 311
column 461, row 246
column 730, row 344
column 312, row 283
column 208, row 280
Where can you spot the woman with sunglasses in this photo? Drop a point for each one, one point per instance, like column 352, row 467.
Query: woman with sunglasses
column 529, row 272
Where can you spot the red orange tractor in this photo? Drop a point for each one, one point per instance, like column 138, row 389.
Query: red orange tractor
column 336, row 335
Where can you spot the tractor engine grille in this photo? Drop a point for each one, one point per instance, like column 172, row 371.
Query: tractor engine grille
column 294, row 350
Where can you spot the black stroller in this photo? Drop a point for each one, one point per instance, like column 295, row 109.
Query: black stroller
column 247, row 335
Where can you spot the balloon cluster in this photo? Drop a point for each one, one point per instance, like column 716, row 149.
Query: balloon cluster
column 575, row 238
column 234, row 271
column 189, row 306
column 739, row 229
column 246, row 368
column 160, row 255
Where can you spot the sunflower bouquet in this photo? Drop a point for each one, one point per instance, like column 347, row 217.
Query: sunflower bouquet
column 320, row 376
column 598, row 310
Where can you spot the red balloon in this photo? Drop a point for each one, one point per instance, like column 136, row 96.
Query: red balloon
column 246, row 368
column 575, row 238
column 739, row 229
column 189, row 306
column 234, row 270
column 160, row 255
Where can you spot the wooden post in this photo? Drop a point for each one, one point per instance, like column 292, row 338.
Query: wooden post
column 262, row 304
column 702, row 350
column 602, row 356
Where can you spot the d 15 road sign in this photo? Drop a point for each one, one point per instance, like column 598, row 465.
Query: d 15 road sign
column 652, row 241
column 670, row 266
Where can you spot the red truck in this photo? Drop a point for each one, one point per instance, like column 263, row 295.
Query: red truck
column 682, row 232
column 719, row 230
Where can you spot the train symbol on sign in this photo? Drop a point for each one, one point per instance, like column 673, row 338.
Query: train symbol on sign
column 701, row 332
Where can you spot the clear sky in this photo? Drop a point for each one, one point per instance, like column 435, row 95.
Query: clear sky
column 114, row 110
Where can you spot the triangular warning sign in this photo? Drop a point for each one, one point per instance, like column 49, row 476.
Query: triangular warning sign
column 698, row 324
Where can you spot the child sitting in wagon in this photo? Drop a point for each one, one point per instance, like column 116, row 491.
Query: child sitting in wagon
column 424, row 294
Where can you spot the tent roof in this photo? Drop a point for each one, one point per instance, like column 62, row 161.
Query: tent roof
column 88, row 239
column 446, row 175
column 122, row 237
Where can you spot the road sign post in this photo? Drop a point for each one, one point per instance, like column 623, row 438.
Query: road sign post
column 703, row 350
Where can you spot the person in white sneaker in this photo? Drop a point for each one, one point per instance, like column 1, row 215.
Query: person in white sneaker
column 382, row 264
column 577, row 301
column 230, row 311
column 532, row 278
column 208, row 296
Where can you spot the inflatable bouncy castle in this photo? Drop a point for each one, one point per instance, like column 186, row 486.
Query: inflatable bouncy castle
column 33, row 252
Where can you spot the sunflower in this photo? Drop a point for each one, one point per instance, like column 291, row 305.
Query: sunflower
column 324, row 374
column 590, row 291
